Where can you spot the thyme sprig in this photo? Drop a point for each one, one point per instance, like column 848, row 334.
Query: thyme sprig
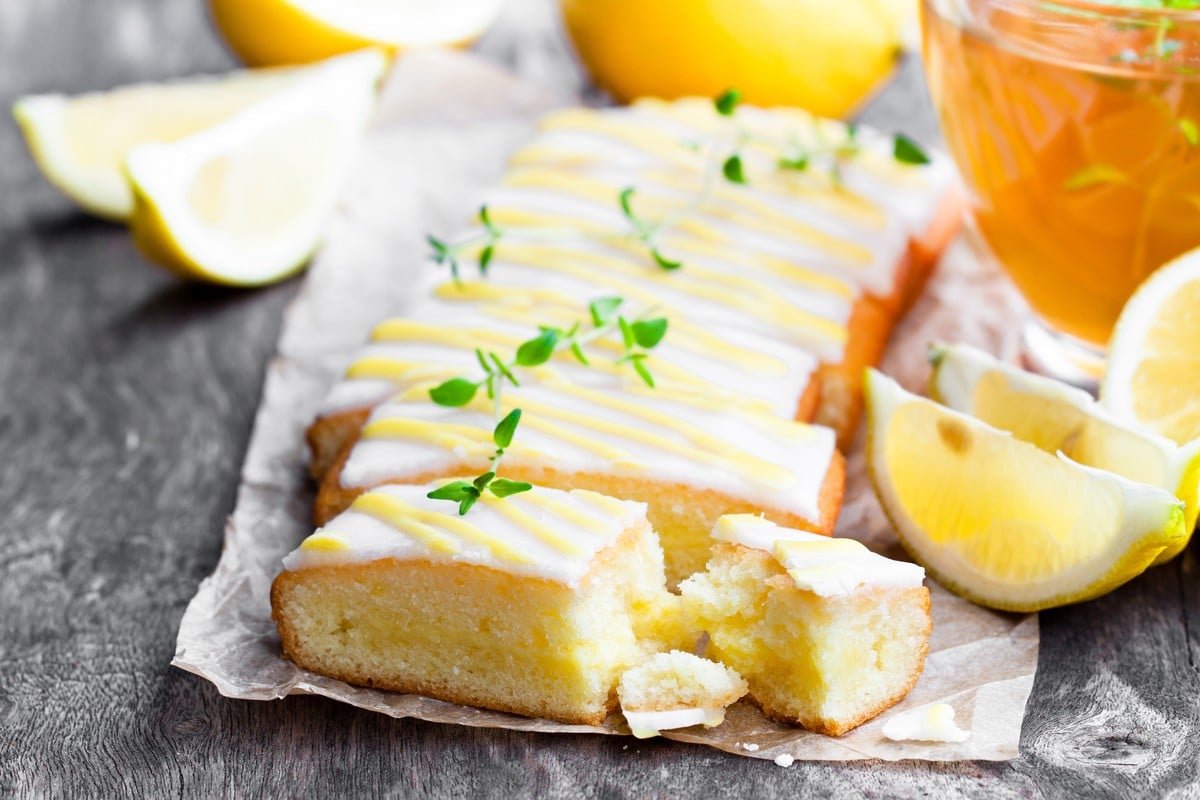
column 723, row 159
column 800, row 157
column 467, row 493
column 645, row 230
column 639, row 335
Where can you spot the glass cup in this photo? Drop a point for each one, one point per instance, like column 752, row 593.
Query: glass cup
column 1076, row 127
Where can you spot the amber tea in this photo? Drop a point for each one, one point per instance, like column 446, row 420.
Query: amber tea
column 1077, row 129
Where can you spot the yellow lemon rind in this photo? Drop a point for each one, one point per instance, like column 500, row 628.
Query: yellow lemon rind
column 1140, row 548
column 167, row 230
column 279, row 32
column 959, row 373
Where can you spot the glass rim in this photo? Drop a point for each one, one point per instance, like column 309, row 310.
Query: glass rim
column 1109, row 11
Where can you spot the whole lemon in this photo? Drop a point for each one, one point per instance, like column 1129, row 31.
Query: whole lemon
column 823, row 56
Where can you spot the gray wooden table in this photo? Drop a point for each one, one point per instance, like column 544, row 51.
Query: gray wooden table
column 126, row 399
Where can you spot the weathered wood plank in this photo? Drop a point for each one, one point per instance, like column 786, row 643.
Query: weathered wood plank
column 125, row 404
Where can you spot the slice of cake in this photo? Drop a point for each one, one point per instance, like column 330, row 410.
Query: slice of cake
column 532, row 604
column 827, row 633
column 677, row 690
column 691, row 457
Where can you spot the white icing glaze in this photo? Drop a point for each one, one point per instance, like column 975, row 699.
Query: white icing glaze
column 673, row 437
column 754, row 531
column 543, row 533
column 575, row 168
column 772, row 272
column 761, row 368
column 934, row 723
column 822, row 565
column 645, row 724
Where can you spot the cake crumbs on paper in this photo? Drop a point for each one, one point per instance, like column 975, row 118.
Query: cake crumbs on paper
column 784, row 760
column 750, row 746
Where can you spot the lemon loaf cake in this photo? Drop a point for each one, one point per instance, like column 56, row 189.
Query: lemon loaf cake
column 691, row 457
column 806, row 269
column 677, row 690
column 827, row 634
column 533, row 604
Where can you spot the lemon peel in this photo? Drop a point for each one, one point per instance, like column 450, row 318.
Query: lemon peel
column 999, row 521
column 1057, row 418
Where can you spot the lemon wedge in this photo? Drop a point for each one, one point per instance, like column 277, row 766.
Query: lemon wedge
column 245, row 202
column 80, row 142
column 999, row 521
column 272, row 32
column 1060, row 418
column 1153, row 376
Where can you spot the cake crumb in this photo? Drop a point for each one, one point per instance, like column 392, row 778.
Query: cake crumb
column 750, row 746
column 784, row 760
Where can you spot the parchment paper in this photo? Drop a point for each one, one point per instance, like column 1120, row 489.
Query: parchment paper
column 445, row 125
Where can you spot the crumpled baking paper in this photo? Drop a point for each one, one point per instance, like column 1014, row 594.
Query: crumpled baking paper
column 445, row 125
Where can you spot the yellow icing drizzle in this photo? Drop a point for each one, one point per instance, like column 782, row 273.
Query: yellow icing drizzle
column 401, row 330
column 716, row 451
column 599, row 269
column 405, row 518
column 395, row 370
column 527, row 522
column 654, row 205
column 810, row 575
column 641, row 137
column 845, row 204
column 605, row 504
column 440, row 434
column 432, row 528
column 582, row 441
column 513, row 304
column 325, row 540
column 792, row 550
column 565, row 511
column 771, row 266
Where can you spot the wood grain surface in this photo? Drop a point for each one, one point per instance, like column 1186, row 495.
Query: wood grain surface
column 126, row 399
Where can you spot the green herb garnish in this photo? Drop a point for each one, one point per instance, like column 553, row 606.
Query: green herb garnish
column 639, row 335
column 906, row 151
column 467, row 493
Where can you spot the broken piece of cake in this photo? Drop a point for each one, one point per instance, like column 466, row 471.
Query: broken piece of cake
column 827, row 634
column 677, row 690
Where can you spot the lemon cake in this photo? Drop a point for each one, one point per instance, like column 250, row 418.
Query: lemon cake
column 827, row 634
column 534, row 604
column 690, row 457
column 677, row 690
column 789, row 284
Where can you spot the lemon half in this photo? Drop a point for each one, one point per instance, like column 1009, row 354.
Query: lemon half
column 1060, row 418
column 273, row 32
column 246, row 201
column 80, row 142
column 1153, row 376
column 999, row 521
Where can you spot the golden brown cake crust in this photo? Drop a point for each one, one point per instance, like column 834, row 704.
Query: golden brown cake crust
column 454, row 574
column 285, row 582
column 328, row 435
column 333, row 498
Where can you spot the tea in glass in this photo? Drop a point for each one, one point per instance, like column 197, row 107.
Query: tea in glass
column 1076, row 127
